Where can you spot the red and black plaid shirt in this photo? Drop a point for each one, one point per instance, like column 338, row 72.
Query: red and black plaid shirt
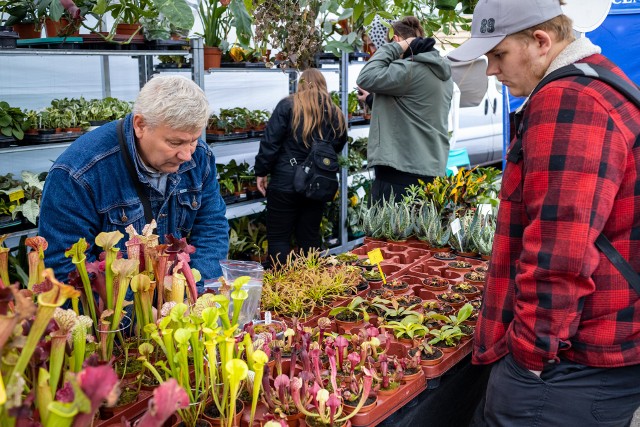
column 550, row 292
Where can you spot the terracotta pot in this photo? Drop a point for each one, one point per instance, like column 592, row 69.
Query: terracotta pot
column 436, row 360
column 27, row 30
column 347, row 409
column 483, row 257
column 312, row 423
column 442, row 249
column 72, row 130
column 446, row 349
column 391, row 392
column 468, row 254
column 216, row 422
column 212, row 57
column 61, row 28
column 128, row 29
column 410, row 377
column 347, row 326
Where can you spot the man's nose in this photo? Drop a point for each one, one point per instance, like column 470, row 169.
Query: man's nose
column 184, row 153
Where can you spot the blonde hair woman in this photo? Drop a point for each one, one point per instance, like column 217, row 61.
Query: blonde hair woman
column 297, row 121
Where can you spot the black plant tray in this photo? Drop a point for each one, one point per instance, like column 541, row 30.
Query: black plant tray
column 49, row 138
column 6, row 141
column 242, row 65
column 358, row 120
column 228, row 137
column 167, row 44
column 256, row 133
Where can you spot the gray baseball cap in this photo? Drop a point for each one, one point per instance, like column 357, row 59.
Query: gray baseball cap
column 493, row 20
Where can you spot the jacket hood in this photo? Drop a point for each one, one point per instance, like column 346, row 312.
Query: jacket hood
column 439, row 66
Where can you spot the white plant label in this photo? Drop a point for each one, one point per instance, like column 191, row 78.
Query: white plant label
column 267, row 317
column 485, row 208
column 455, row 229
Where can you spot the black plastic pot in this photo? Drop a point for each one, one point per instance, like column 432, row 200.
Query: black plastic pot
column 8, row 37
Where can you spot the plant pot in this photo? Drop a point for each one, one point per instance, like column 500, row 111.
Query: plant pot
column 310, row 422
column 446, row 349
column 128, row 29
column 199, row 423
column 109, row 412
column 212, row 57
column 410, row 377
column 432, row 359
column 371, row 403
column 27, row 30
column 61, row 28
column 388, row 392
column 485, row 257
column 214, row 421
column 8, row 38
column 348, row 325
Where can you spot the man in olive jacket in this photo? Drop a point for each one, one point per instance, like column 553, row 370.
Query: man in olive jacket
column 408, row 137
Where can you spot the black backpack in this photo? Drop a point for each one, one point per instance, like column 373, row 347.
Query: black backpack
column 317, row 176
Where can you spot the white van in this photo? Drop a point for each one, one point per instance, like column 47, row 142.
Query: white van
column 477, row 119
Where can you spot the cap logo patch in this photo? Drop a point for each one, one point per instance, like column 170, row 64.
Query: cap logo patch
column 488, row 26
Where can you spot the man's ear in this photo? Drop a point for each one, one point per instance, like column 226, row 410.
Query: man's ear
column 139, row 125
column 543, row 41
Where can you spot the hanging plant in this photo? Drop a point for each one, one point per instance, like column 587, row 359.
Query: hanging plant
column 290, row 27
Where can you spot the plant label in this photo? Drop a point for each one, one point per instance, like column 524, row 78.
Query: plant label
column 375, row 256
column 484, row 209
column 14, row 196
column 267, row 317
column 455, row 229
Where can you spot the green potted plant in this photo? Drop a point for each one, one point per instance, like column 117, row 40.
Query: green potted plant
column 25, row 16
column 13, row 121
column 217, row 17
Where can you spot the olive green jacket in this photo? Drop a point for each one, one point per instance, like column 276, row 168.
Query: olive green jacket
column 409, row 120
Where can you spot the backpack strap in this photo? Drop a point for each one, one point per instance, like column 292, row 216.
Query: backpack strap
column 632, row 93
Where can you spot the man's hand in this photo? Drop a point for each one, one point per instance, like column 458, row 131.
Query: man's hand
column 262, row 184
column 362, row 95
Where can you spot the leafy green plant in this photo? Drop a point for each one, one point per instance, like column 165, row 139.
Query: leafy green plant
column 354, row 311
column 32, row 186
column 409, row 328
column 13, row 121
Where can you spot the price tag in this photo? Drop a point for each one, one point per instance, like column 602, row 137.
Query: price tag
column 455, row 229
column 16, row 195
column 267, row 317
column 375, row 256
column 485, row 208
column 455, row 226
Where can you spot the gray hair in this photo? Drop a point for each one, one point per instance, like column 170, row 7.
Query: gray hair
column 174, row 101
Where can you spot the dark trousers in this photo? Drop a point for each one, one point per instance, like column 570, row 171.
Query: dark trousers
column 390, row 180
column 291, row 213
column 566, row 394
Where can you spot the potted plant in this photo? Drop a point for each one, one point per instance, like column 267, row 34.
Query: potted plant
column 352, row 314
column 407, row 329
column 13, row 121
column 216, row 18
column 26, row 17
column 446, row 338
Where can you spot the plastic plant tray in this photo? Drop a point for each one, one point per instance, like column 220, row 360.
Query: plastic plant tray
column 389, row 404
column 227, row 137
column 49, row 138
column 448, row 361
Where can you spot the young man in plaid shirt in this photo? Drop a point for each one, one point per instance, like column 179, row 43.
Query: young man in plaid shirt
column 560, row 323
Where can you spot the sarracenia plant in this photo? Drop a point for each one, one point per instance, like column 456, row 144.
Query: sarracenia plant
column 4, row 262
column 48, row 301
column 78, row 257
column 36, row 259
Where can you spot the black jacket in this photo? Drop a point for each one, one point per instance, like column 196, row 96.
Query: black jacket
column 272, row 158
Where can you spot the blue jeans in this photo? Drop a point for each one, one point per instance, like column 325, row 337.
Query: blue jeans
column 566, row 394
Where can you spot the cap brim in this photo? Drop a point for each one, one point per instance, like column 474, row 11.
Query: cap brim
column 474, row 48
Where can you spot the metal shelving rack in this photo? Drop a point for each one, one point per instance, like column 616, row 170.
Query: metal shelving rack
column 145, row 71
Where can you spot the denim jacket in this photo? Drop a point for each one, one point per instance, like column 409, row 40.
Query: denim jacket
column 89, row 190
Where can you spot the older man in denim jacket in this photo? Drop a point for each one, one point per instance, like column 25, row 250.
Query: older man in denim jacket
column 89, row 188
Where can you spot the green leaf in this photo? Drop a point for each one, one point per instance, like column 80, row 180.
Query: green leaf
column 5, row 120
column 357, row 10
column 6, row 131
column 55, row 10
column 242, row 20
column 177, row 12
column 345, row 14
column 18, row 133
column 327, row 27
